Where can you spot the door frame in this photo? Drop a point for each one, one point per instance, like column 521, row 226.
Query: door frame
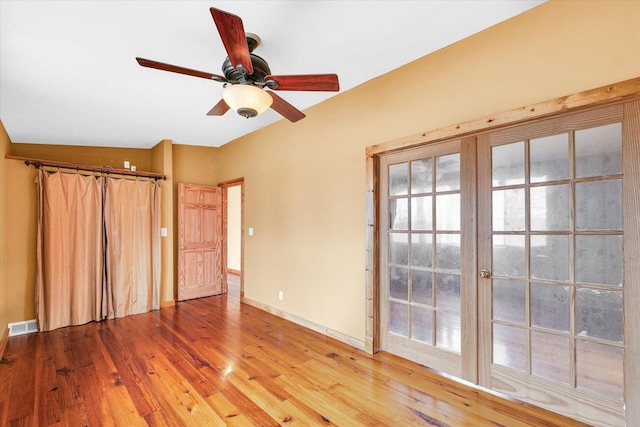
column 225, row 200
column 621, row 92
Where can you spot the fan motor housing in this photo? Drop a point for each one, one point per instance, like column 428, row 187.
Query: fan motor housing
column 260, row 70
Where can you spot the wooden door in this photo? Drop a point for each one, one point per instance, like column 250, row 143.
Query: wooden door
column 553, row 239
column 427, row 312
column 200, row 236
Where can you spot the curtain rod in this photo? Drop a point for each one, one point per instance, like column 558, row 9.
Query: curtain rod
column 38, row 163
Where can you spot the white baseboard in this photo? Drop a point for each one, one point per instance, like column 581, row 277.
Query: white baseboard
column 346, row 339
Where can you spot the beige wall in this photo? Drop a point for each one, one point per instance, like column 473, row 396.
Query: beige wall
column 4, row 147
column 305, row 182
column 18, row 242
column 234, row 227
column 162, row 162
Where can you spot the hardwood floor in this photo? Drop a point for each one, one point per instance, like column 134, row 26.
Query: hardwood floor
column 212, row 361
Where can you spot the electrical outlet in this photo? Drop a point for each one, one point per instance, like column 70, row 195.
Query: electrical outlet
column 126, row 164
column 280, row 295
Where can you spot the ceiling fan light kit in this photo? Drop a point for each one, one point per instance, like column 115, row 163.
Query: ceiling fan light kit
column 246, row 100
column 247, row 76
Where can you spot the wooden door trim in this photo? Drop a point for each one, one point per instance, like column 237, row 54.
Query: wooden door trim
column 225, row 185
column 616, row 93
column 631, row 253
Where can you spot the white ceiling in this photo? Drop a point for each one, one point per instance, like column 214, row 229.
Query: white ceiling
column 68, row 73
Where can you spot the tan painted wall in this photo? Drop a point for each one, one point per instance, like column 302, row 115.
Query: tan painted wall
column 305, row 182
column 4, row 147
column 162, row 162
column 19, row 242
column 94, row 156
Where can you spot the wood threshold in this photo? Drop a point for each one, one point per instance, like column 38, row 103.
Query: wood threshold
column 233, row 271
column 212, row 361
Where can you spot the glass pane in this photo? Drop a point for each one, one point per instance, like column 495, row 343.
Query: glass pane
column 422, row 324
column 550, row 356
column 448, row 251
column 599, row 151
column 421, row 213
column 398, row 214
column 448, row 331
column 508, row 256
column 422, row 287
column 398, row 318
column 509, row 301
column 448, row 212
column 421, row 176
column 549, row 158
column 600, row 368
column 399, row 283
column 448, row 172
column 510, row 347
column 398, row 248
column 599, row 260
column 421, row 250
column 599, row 314
column 448, row 291
column 599, row 205
column 549, row 207
column 508, row 210
column 550, row 307
column 508, row 164
column 398, row 179
column 550, row 257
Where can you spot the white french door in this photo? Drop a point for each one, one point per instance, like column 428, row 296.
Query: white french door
column 510, row 260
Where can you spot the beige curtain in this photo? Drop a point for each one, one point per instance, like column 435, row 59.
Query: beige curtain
column 69, row 250
column 132, row 253
column 98, row 248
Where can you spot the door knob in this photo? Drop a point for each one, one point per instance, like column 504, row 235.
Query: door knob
column 485, row 274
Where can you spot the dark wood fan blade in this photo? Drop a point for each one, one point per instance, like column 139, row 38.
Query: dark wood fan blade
column 219, row 109
column 181, row 70
column 287, row 110
column 310, row 82
column 233, row 37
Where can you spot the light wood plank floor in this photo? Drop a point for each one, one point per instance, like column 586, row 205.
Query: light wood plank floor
column 213, row 361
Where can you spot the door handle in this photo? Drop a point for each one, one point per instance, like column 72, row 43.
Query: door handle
column 182, row 247
column 485, row 274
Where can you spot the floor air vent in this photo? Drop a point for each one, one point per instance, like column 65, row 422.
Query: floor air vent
column 25, row 327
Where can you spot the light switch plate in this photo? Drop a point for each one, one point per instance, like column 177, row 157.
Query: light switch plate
column 126, row 164
column 250, row 231
column 163, row 232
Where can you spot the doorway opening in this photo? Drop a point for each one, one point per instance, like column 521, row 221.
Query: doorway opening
column 233, row 214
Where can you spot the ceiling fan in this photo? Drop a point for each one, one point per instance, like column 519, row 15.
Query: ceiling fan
column 247, row 76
